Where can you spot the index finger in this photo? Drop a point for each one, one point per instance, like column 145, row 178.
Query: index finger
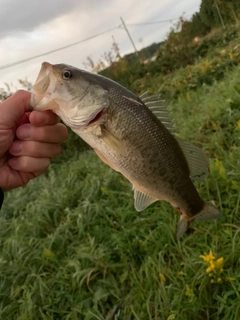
column 42, row 118
column 13, row 108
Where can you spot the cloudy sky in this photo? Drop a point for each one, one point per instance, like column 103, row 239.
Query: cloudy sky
column 29, row 28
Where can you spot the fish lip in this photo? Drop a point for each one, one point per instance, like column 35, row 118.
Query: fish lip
column 40, row 98
column 45, row 71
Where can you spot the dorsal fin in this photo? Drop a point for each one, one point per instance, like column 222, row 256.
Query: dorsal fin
column 197, row 161
column 157, row 107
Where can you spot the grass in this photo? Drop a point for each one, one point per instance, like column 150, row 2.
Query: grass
column 73, row 247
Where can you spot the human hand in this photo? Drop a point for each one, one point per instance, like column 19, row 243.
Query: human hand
column 28, row 140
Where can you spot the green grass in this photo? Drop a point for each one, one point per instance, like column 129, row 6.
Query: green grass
column 73, row 247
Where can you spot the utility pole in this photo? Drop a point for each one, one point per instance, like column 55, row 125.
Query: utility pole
column 123, row 23
column 219, row 13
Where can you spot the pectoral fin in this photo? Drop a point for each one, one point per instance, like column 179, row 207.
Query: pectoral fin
column 112, row 141
column 142, row 200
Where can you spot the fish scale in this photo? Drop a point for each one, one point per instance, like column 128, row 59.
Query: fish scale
column 131, row 134
column 161, row 170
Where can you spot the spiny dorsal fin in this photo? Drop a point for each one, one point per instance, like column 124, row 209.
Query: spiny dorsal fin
column 196, row 159
column 133, row 100
column 157, row 107
column 141, row 200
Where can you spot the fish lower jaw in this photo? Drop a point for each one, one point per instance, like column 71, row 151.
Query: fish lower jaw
column 39, row 102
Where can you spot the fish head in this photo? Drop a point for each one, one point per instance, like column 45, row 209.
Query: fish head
column 73, row 94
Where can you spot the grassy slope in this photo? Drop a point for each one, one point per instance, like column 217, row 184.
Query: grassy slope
column 73, row 247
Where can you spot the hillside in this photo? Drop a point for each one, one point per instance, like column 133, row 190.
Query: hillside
column 72, row 244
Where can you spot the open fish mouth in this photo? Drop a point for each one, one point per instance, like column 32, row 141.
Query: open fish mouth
column 43, row 80
column 41, row 97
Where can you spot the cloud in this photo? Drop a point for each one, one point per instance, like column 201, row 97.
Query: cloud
column 29, row 28
column 17, row 16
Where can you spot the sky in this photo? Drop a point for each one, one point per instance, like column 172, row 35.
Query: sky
column 30, row 28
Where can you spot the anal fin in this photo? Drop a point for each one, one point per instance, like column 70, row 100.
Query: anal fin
column 142, row 200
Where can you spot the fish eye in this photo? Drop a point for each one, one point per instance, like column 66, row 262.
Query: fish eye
column 67, row 74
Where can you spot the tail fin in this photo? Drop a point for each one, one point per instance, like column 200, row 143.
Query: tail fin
column 182, row 226
column 208, row 212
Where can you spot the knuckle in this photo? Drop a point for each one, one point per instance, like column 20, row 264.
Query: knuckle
column 40, row 134
column 53, row 118
column 63, row 130
column 46, row 163
column 57, row 150
column 24, row 163
column 20, row 92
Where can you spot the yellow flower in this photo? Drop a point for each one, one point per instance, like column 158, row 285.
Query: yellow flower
column 189, row 293
column 188, row 96
column 211, row 267
column 172, row 316
column 104, row 190
column 208, row 257
column 162, row 277
column 234, row 185
column 48, row 254
column 215, row 267
column 238, row 124
column 220, row 168
column 219, row 264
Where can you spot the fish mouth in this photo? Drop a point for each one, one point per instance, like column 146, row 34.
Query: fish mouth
column 41, row 96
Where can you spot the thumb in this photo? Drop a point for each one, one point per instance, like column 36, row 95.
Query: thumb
column 13, row 108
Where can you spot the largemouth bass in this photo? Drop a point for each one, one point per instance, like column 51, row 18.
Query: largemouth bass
column 133, row 135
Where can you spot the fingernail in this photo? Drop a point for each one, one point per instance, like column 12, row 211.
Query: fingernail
column 16, row 148
column 24, row 132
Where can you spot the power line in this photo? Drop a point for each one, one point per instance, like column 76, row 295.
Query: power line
column 154, row 22
column 8, row 65
column 5, row 66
